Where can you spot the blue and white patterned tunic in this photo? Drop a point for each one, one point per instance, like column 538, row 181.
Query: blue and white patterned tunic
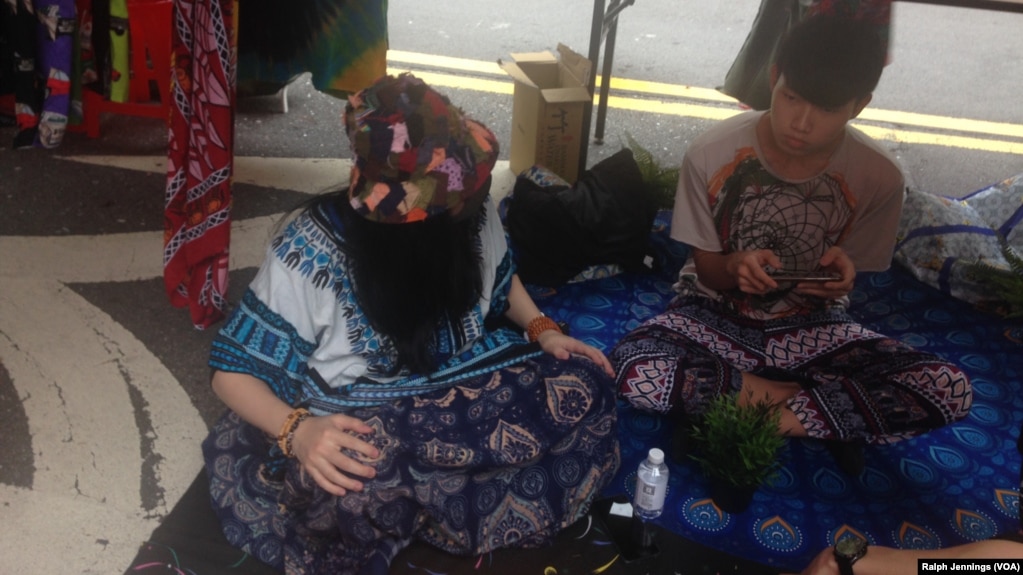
column 299, row 326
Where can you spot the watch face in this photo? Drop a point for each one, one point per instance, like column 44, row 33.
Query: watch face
column 851, row 547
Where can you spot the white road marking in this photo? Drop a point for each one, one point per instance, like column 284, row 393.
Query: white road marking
column 47, row 532
column 72, row 365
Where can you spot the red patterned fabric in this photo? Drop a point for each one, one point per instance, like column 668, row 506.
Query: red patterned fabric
column 197, row 220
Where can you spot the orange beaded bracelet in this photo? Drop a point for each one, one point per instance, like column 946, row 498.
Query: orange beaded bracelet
column 287, row 434
column 540, row 324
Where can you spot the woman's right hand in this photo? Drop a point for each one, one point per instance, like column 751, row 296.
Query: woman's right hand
column 319, row 444
column 562, row 347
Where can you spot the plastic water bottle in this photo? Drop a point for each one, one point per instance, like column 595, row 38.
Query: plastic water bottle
column 651, row 486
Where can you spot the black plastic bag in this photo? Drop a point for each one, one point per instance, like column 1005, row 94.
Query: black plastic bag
column 605, row 218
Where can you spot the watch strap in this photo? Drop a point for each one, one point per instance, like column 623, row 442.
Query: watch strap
column 844, row 564
column 847, row 557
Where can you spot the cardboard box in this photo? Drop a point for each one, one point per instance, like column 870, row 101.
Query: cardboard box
column 547, row 110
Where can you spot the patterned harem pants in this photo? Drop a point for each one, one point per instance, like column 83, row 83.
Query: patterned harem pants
column 856, row 384
column 506, row 459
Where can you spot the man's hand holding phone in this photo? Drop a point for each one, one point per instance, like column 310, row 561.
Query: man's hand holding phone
column 817, row 276
column 833, row 280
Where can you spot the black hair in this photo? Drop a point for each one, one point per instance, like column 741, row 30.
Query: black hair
column 410, row 277
column 831, row 60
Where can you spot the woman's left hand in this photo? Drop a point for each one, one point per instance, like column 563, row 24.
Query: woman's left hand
column 562, row 346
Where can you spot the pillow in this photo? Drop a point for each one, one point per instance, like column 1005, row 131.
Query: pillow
column 939, row 238
column 1001, row 206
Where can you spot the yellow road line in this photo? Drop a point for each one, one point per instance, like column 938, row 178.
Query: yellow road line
column 877, row 132
column 463, row 64
column 695, row 110
column 440, row 80
column 943, row 140
column 869, row 114
column 943, row 122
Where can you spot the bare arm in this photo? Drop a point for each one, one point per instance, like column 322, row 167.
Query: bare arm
column 522, row 309
column 318, row 441
column 251, row 399
column 889, row 561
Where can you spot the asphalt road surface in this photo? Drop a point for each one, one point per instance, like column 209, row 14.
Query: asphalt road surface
column 948, row 104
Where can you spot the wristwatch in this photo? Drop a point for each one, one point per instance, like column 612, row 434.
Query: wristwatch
column 849, row 550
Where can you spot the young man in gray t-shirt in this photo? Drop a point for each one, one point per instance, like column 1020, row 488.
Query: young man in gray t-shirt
column 793, row 190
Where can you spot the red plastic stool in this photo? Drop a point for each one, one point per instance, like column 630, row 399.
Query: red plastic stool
column 7, row 104
column 149, row 39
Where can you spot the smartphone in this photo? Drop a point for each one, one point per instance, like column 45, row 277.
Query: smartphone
column 783, row 276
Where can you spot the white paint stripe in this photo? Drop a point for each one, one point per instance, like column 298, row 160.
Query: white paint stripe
column 117, row 257
column 307, row 175
column 71, row 365
column 177, row 427
column 112, row 257
column 81, row 421
column 64, row 533
column 139, row 256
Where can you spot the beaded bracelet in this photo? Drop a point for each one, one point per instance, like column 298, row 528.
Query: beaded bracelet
column 287, row 434
column 538, row 325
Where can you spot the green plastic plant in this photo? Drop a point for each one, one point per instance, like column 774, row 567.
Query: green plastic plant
column 661, row 182
column 736, row 444
column 1006, row 285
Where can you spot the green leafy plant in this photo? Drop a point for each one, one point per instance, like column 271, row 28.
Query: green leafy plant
column 1005, row 285
column 661, row 182
column 737, row 444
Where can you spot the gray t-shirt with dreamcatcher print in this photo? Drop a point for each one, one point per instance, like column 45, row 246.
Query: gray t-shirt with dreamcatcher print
column 729, row 200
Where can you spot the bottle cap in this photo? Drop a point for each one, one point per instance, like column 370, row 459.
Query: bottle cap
column 656, row 456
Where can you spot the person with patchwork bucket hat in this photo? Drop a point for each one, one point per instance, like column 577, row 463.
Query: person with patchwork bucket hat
column 387, row 375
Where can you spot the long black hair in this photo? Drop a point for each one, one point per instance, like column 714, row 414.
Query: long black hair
column 410, row 277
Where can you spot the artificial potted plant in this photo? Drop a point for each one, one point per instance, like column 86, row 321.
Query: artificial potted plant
column 661, row 182
column 737, row 449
